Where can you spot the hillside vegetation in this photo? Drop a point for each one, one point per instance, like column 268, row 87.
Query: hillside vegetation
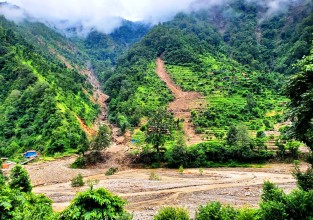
column 237, row 61
column 40, row 99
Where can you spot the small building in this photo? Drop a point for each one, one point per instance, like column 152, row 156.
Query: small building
column 30, row 154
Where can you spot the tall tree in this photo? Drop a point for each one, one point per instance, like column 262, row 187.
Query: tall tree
column 103, row 139
column 299, row 89
column 160, row 127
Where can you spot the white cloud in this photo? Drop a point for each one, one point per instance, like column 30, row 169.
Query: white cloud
column 105, row 15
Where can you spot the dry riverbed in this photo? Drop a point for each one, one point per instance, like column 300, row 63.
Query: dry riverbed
column 235, row 186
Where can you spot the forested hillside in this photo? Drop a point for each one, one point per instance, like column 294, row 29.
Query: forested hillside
column 234, row 55
column 40, row 99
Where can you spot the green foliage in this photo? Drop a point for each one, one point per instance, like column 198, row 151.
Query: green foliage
column 79, row 163
column 160, row 127
column 154, row 176
column 215, row 211
column 177, row 156
column 95, row 204
column 40, row 99
column 77, row 181
column 278, row 205
column 172, row 213
column 181, row 169
column 19, row 205
column 2, row 179
column 201, row 171
column 111, row 171
column 103, row 139
column 260, row 134
column 304, row 179
column 247, row 214
column 19, row 179
column 299, row 90
column 206, row 154
column 18, row 202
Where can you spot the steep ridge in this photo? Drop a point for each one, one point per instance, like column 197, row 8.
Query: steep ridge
column 183, row 103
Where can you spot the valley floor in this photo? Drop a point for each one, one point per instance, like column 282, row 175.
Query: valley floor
column 236, row 186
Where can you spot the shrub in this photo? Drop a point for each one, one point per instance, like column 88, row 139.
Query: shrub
column 77, row 181
column 304, row 179
column 96, row 204
column 172, row 213
column 177, row 156
column 154, row 176
column 79, row 163
column 277, row 205
column 247, row 214
column 260, row 134
column 111, row 171
column 201, row 171
column 215, row 211
column 19, row 179
column 181, row 169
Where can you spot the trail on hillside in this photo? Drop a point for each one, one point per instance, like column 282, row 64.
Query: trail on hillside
column 183, row 103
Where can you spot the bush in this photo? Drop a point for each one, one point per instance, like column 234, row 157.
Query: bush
column 111, row 171
column 176, row 156
column 19, row 179
column 154, row 176
column 172, row 213
column 247, row 214
column 277, row 205
column 215, row 211
column 79, row 163
column 201, row 171
column 96, row 204
column 304, row 179
column 77, row 181
column 181, row 169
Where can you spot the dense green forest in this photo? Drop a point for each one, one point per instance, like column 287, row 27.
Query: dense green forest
column 232, row 55
column 40, row 99
column 236, row 61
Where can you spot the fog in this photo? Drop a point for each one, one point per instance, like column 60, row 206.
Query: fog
column 106, row 15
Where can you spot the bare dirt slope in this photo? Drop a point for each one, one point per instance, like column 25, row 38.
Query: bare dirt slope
column 236, row 186
column 183, row 104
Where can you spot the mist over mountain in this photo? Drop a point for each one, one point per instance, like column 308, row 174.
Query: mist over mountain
column 105, row 16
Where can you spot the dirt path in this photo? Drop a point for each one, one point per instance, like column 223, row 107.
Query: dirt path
column 236, row 186
column 183, row 104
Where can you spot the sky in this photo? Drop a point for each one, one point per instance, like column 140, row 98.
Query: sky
column 106, row 15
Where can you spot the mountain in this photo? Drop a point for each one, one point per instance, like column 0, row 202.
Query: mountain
column 40, row 99
column 227, row 63
column 49, row 95
column 235, row 58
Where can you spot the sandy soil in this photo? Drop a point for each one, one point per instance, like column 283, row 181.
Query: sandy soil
column 183, row 104
column 236, row 186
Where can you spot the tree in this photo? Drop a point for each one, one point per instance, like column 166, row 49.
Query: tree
column 231, row 138
column 19, row 179
column 239, row 136
column 160, row 127
column 96, row 204
column 103, row 139
column 299, row 90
